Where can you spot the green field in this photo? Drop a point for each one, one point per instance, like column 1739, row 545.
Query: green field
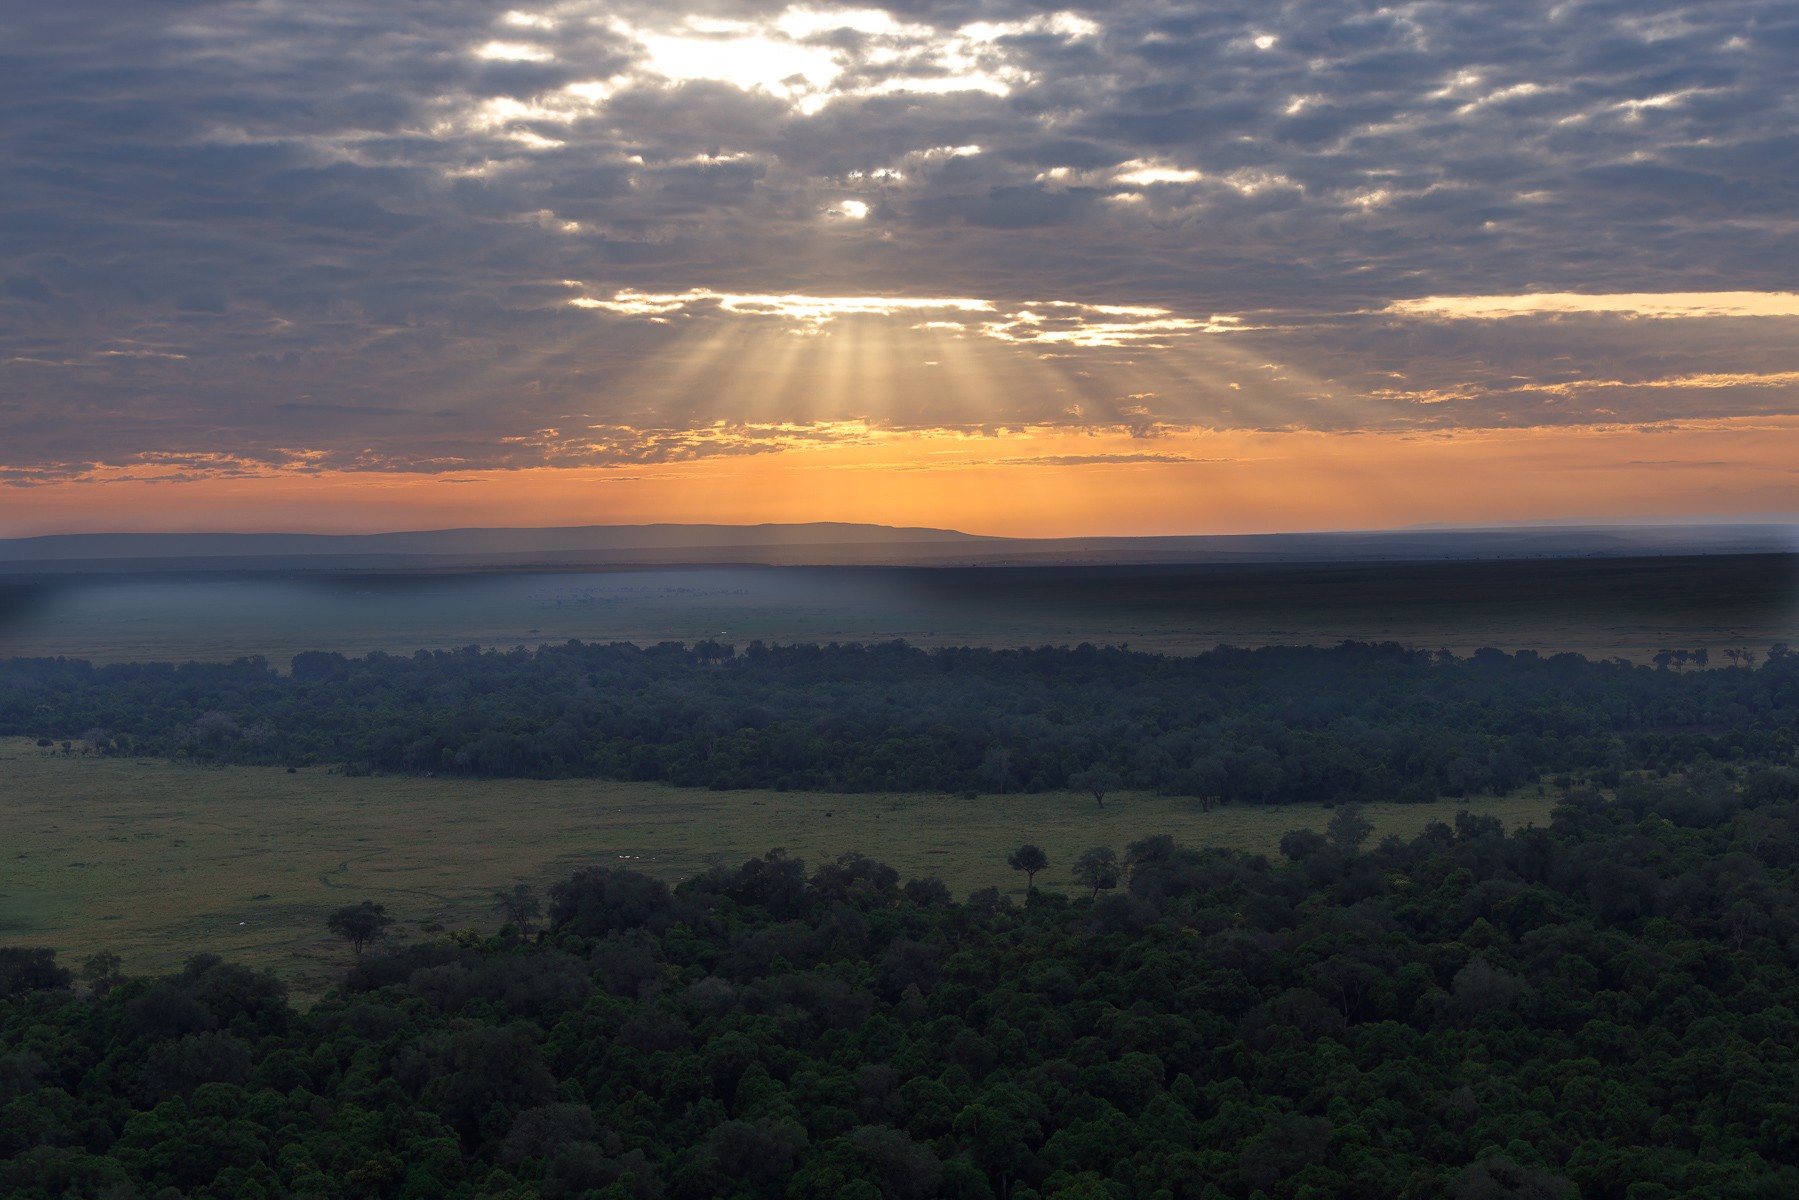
column 157, row 860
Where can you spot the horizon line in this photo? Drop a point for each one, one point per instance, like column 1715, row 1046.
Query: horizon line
column 1693, row 521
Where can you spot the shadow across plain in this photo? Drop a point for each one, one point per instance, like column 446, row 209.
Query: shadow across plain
column 1600, row 606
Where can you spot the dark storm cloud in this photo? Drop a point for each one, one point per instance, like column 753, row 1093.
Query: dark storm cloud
column 337, row 234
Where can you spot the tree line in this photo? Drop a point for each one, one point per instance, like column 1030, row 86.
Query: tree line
column 1346, row 724
column 1602, row 1008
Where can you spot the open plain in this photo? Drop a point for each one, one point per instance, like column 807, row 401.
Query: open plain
column 157, row 860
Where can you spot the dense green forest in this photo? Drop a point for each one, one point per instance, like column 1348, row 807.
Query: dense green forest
column 1356, row 722
column 1605, row 1008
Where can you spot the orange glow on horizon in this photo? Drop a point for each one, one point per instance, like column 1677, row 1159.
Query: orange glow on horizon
column 1029, row 483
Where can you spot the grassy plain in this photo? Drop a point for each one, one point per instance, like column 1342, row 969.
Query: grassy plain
column 156, row 860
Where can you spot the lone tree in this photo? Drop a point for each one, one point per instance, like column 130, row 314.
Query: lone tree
column 1097, row 868
column 520, row 906
column 1098, row 781
column 359, row 924
column 1349, row 828
column 101, row 972
column 1030, row 860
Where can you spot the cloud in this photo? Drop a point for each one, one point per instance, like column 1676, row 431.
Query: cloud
column 335, row 233
column 1658, row 305
column 1037, row 323
column 806, row 310
column 1780, row 379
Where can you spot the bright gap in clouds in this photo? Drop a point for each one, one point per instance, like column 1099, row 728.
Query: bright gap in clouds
column 815, row 309
column 805, row 55
column 1143, row 174
column 742, row 59
column 513, row 52
column 1036, row 323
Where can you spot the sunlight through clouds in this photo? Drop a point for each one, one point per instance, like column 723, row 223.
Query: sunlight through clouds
column 738, row 57
column 513, row 52
column 436, row 238
column 813, row 310
column 1145, row 173
column 811, row 56
column 1065, row 323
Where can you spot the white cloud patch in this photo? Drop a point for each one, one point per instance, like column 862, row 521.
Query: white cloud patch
column 1630, row 304
column 1711, row 382
column 808, row 310
column 1144, row 174
column 1041, row 323
column 813, row 56
column 513, row 52
column 741, row 58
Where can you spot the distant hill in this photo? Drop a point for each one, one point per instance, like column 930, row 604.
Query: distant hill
column 839, row 544
column 559, row 539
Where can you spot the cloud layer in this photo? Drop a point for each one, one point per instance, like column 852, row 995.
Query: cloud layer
column 337, row 235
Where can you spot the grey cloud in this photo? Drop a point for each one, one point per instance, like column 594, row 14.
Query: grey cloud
column 1017, row 206
column 26, row 287
column 339, row 213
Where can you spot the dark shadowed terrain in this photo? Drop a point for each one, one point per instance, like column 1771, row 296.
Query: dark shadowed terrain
column 1599, row 606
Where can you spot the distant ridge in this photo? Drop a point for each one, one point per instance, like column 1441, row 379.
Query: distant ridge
column 462, row 541
column 840, row 544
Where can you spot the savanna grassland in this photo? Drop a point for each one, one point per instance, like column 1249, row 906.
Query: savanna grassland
column 157, row 860
column 1585, row 991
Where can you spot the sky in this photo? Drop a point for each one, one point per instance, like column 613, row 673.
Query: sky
column 1145, row 268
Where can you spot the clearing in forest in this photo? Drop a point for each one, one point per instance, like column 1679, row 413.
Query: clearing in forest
column 157, row 860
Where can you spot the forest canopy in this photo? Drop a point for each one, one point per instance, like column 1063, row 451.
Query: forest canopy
column 1352, row 723
column 1603, row 1008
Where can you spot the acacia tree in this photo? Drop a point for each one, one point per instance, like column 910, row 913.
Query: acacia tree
column 1029, row 859
column 359, row 924
column 1097, row 868
column 1098, row 781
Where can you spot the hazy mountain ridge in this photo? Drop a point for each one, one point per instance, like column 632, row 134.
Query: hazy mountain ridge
column 839, row 543
column 458, row 541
